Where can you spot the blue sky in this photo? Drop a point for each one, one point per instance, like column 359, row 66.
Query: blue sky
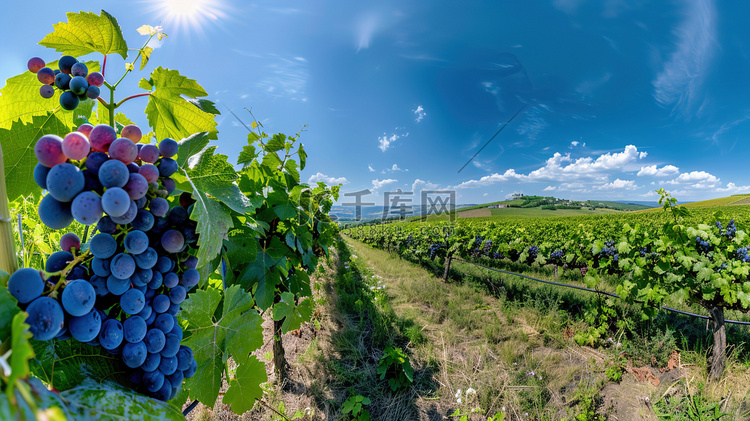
column 618, row 97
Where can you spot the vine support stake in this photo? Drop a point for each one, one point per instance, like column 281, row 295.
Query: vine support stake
column 448, row 260
column 8, row 261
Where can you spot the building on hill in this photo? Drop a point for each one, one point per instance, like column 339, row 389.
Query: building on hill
column 497, row 206
column 516, row 196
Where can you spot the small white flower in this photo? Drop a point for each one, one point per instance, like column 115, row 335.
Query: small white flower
column 458, row 394
column 458, row 400
column 503, row 409
column 540, row 377
column 471, row 390
column 531, row 373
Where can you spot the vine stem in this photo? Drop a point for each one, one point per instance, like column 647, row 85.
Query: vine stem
column 104, row 64
column 64, row 273
column 8, row 260
column 131, row 97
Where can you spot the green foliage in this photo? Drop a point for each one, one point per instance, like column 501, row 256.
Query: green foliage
column 693, row 407
column 395, row 365
column 353, row 407
column 85, row 33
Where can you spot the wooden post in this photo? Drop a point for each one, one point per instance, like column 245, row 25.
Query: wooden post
column 448, row 260
column 719, row 351
column 556, row 277
column 8, row 260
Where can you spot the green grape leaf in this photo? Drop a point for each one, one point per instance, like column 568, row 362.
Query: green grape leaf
column 20, row 99
column 22, row 350
column 214, row 222
column 237, row 332
column 18, row 148
column 262, row 272
column 8, row 309
column 190, row 146
column 247, row 155
column 302, row 157
column 85, row 33
column 145, row 56
column 242, row 246
column 205, row 105
column 244, row 388
column 94, row 400
column 65, row 364
column 169, row 113
column 293, row 315
column 212, row 174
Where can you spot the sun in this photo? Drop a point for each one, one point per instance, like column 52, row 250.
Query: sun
column 188, row 16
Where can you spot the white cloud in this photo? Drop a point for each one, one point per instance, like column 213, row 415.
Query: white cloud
column 326, row 179
column 664, row 171
column 366, row 28
column 376, row 184
column 563, row 167
column 485, row 195
column 733, row 188
column 549, row 188
column 384, row 142
column 642, row 155
column 395, row 168
column 285, row 77
column 696, row 180
column 573, row 144
column 679, row 83
column 369, row 167
column 618, row 185
column 422, row 185
column 420, row 113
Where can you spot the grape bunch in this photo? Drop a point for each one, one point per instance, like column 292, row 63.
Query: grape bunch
column 703, row 246
column 123, row 289
column 730, row 231
column 487, row 247
column 477, row 247
column 434, row 247
column 533, row 252
column 742, row 254
column 556, row 257
column 72, row 78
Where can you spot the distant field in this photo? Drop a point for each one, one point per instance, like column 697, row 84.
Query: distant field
column 737, row 199
column 531, row 213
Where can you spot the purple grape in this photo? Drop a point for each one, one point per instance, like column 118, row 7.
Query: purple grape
column 46, row 76
column 46, row 318
column 46, row 91
column 35, row 64
column 167, row 167
column 159, row 206
column 113, row 173
column 78, row 298
column 69, row 101
column 48, row 150
column 137, row 186
column 64, row 182
column 172, row 241
column 149, row 172
column 93, row 92
column 85, row 129
column 95, row 161
column 168, row 148
column 190, row 278
column 123, row 150
column 70, row 241
column 76, row 146
column 149, row 153
column 168, row 184
column 66, row 63
column 79, row 69
column 55, row 214
column 101, row 137
column 115, row 201
column 131, row 132
column 191, row 263
column 26, row 285
column 95, row 79
column 128, row 216
column 87, row 208
column 40, row 175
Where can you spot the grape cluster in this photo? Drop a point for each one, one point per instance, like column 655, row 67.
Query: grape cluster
column 533, row 252
column 477, row 247
column 124, row 291
column 742, row 254
column 646, row 252
column 556, row 257
column 434, row 247
column 730, row 231
column 703, row 246
column 72, row 79
column 609, row 250
column 487, row 247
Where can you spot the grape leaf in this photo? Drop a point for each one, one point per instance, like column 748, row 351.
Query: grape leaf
column 214, row 221
column 8, row 309
column 262, row 271
column 94, row 400
column 18, row 149
column 85, row 33
column 212, row 174
column 65, row 364
column 237, row 333
column 20, row 99
column 292, row 314
column 244, row 388
column 190, row 146
column 145, row 56
column 169, row 113
column 205, row 105
column 22, row 350
column 247, row 155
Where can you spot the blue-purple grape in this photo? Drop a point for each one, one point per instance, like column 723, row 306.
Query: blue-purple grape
column 26, row 285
